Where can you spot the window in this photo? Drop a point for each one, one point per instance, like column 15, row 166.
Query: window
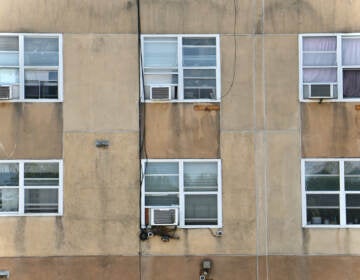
column 331, row 192
column 191, row 187
column 31, row 67
column 180, row 67
column 29, row 187
column 330, row 66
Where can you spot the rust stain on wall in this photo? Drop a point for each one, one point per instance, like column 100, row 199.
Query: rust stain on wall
column 177, row 130
column 330, row 130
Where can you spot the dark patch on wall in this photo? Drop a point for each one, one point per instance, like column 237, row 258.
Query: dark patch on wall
column 179, row 131
column 59, row 232
column 275, row 14
column 129, row 5
column 305, row 240
column 20, row 235
column 98, row 44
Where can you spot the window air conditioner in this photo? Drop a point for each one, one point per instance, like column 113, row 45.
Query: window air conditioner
column 164, row 216
column 5, row 92
column 160, row 92
column 321, row 91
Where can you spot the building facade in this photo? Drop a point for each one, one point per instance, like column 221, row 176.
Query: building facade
column 225, row 101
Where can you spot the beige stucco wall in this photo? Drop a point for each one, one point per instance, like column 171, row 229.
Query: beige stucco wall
column 31, row 130
column 67, row 16
column 101, row 186
column 174, row 130
column 257, row 129
column 330, row 129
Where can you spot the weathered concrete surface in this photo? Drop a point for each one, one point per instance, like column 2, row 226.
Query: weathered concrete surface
column 101, row 210
column 237, row 107
column 67, row 16
column 68, row 268
column 31, row 130
column 311, row 16
column 198, row 16
column 179, row 130
column 281, row 82
column 330, row 130
column 101, row 83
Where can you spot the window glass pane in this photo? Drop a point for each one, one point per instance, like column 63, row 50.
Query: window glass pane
column 351, row 51
column 41, row 174
column 9, row 200
column 9, row 43
column 317, row 216
column 322, row 200
column 41, row 200
column 9, row 174
column 188, row 41
column 200, row 210
column 199, row 56
column 353, row 208
column 200, row 84
column 321, row 167
column 9, row 59
column 321, row 43
column 160, row 52
column 41, row 84
column 161, row 183
column 351, row 83
column 41, row 51
column 162, row 168
column 322, row 176
column 352, row 175
column 352, row 216
column 200, row 176
column 9, row 76
column 320, row 75
column 162, row 200
column 319, row 59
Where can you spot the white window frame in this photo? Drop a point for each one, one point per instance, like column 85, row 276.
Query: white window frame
column 341, row 192
column 22, row 67
column 181, row 193
column 180, row 98
column 340, row 67
column 21, row 187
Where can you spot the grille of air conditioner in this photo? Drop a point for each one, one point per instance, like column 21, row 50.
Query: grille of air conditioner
column 321, row 91
column 164, row 216
column 160, row 92
column 5, row 92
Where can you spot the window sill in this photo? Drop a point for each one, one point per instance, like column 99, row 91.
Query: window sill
column 31, row 101
column 8, row 214
column 185, row 101
column 331, row 226
column 324, row 100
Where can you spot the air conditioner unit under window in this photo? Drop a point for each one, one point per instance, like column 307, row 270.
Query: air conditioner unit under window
column 5, row 92
column 164, row 216
column 160, row 92
column 321, row 91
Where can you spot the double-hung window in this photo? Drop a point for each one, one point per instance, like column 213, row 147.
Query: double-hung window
column 330, row 67
column 31, row 67
column 189, row 190
column 31, row 187
column 331, row 192
column 180, row 68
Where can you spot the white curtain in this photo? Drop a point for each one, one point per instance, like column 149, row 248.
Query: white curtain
column 320, row 43
column 160, row 52
column 320, row 75
column 351, row 51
